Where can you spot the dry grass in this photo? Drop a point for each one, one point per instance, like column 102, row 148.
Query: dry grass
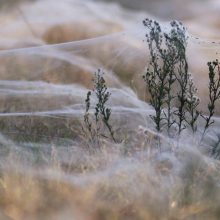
column 47, row 172
column 107, row 185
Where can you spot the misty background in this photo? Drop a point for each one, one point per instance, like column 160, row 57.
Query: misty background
column 167, row 9
column 49, row 169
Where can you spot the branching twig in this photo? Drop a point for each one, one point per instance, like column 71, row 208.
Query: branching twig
column 214, row 93
column 92, row 128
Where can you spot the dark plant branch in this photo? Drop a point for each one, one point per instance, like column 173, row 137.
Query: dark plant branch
column 192, row 106
column 102, row 95
column 214, row 93
column 167, row 70
column 102, row 113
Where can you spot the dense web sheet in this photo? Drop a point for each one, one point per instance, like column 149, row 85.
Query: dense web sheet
column 52, row 80
column 47, row 62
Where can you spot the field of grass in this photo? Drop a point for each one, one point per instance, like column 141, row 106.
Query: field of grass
column 53, row 166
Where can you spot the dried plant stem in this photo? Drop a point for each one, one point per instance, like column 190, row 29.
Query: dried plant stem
column 214, row 93
column 93, row 128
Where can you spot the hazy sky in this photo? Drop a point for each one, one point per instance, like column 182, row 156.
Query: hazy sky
column 168, row 9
